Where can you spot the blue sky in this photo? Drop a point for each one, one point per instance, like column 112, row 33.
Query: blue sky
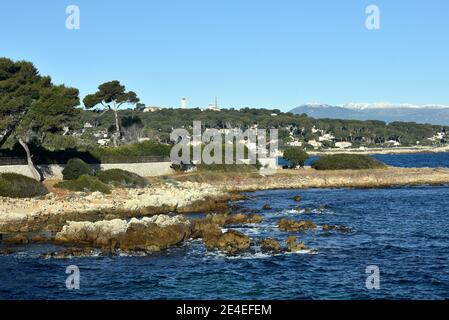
column 276, row 54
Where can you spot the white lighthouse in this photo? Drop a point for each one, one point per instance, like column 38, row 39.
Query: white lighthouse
column 184, row 103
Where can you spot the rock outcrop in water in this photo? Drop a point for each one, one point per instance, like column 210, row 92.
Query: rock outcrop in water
column 266, row 206
column 207, row 227
column 147, row 234
column 327, row 227
column 297, row 198
column 293, row 225
column 294, row 246
column 230, row 242
column 270, row 245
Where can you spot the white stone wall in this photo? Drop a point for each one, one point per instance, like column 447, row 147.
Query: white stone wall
column 54, row 171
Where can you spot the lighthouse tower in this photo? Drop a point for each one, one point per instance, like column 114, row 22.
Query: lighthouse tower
column 184, row 103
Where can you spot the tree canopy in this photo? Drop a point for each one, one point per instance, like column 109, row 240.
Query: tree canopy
column 296, row 156
column 32, row 106
column 111, row 95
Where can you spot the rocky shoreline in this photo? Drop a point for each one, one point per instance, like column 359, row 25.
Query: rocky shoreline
column 153, row 218
column 50, row 213
column 310, row 178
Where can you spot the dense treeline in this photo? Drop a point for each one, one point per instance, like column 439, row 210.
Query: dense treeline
column 157, row 125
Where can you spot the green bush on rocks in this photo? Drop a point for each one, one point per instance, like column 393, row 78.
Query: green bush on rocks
column 347, row 161
column 85, row 183
column 122, row 178
column 75, row 168
column 15, row 185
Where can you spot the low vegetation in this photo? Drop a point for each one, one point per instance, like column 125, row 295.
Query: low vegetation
column 130, row 152
column 347, row 161
column 85, row 183
column 18, row 186
column 75, row 168
column 122, row 178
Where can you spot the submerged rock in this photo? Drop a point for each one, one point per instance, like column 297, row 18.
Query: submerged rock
column 270, row 245
column 148, row 234
column 327, row 227
column 293, row 245
column 6, row 251
column 18, row 238
column 70, row 253
column 266, row 206
column 230, row 242
column 293, row 225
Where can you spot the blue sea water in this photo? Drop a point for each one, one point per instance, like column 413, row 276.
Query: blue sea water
column 402, row 231
column 412, row 160
column 416, row 160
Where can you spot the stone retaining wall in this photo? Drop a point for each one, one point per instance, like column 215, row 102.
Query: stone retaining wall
column 54, row 171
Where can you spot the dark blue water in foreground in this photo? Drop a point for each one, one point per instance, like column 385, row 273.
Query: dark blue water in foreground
column 413, row 160
column 403, row 231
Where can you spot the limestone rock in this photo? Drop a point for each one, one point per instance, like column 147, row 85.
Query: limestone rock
column 150, row 233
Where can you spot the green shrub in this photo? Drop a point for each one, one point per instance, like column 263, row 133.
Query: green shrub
column 122, row 178
column 15, row 185
column 347, row 161
column 129, row 152
column 296, row 156
column 85, row 183
column 75, row 168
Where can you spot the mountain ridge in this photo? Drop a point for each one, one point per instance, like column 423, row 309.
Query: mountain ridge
column 430, row 113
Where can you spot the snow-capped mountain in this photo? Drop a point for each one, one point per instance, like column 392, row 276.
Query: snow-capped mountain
column 389, row 105
column 385, row 111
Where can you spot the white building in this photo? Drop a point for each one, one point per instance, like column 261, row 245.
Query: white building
column 103, row 142
column 393, row 143
column 343, row 144
column 213, row 107
column 295, row 143
column 438, row 137
column 326, row 137
column 315, row 144
column 151, row 109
